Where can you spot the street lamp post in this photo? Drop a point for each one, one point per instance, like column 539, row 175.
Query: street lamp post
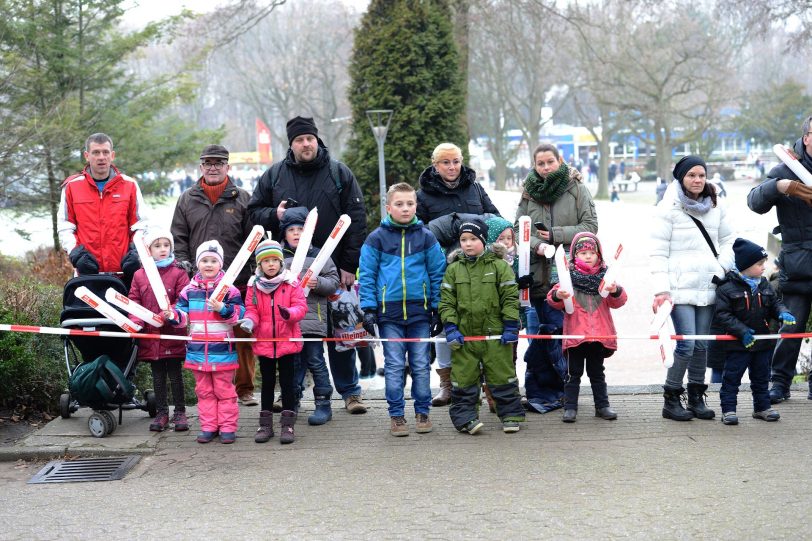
column 379, row 120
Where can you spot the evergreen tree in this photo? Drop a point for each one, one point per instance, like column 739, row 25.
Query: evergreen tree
column 63, row 76
column 404, row 59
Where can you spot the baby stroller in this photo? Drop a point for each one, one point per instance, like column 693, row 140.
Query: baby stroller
column 100, row 369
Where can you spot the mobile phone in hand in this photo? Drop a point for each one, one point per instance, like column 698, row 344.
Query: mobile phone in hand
column 540, row 226
column 290, row 203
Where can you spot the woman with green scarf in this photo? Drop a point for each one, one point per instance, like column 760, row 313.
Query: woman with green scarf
column 553, row 195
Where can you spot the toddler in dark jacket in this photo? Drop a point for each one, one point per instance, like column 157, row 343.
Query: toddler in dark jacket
column 745, row 302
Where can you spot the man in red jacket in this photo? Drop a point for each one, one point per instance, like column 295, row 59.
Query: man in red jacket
column 98, row 211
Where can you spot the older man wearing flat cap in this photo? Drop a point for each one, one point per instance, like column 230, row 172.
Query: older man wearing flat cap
column 216, row 208
column 309, row 177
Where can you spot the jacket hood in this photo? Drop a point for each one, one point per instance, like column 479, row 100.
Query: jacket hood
column 586, row 235
column 496, row 250
column 803, row 157
column 431, row 182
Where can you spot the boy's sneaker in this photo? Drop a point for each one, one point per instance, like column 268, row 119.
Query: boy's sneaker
column 248, row 400
column 180, row 421
column 472, row 427
column 767, row 415
column 160, row 422
column 205, row 436
column 423, row 423
column 509, row 427
column 730, row 418
column 399, row 426
column 355, row 405
column 228, row 437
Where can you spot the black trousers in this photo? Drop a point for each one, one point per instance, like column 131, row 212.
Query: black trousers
column 591, row 355
column 287, row 381
column 173, row 368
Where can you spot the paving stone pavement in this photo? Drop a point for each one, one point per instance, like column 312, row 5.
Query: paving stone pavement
column 638, row 477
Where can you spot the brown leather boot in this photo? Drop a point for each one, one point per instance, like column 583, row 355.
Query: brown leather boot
column 489, row 397
column 443, row 398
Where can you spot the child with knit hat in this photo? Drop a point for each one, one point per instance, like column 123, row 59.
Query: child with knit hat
column 591, row 316
column 314, row 324
column 479, row 297
column 745, row 303
column 164, row 356
column 212, row 359
column 275, row 305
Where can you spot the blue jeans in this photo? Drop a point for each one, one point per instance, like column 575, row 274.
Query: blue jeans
column 312, row 357
column 690, row 355
column 342, row 367
column 394, row 363
column 758, row 363
column 532, row 323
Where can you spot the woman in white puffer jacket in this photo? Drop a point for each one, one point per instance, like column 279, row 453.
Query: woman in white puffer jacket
column 684, row 268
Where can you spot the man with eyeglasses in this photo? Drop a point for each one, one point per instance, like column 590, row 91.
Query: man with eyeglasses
column 309, row 177
column 99, row 209
column 792, row 200
column 216, row 208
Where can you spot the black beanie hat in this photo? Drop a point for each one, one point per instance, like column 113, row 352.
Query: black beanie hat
column 476, row 228
column 293, row 216
column 685, row 164
column 747, row 253
column 300, row 126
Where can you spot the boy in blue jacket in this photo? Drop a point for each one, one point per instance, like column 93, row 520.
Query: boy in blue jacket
column 401, row 269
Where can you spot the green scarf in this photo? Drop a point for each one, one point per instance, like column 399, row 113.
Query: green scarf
column 547, row 190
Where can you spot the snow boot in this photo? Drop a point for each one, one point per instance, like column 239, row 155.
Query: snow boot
column 265, row 430
column 323, row 411
column 287, row 420
column 673, row 409
column 443, row 398
column 696, row 401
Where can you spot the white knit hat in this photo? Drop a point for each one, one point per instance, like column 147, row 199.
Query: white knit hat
column 155, row 232
column 209, row 248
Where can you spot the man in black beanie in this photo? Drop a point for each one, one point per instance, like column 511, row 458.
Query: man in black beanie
column 792, row 200
column 308, row 177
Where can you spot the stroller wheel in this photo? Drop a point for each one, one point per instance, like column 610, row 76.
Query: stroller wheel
column 111, row 421
column 64, row 405
column 151, row 403
column 98, row 424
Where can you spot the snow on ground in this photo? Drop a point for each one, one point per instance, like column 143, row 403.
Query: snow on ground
column 626, row 222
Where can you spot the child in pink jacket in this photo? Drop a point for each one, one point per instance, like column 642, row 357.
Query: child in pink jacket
column 591, row 317
column 275, row 305
column 164, row 356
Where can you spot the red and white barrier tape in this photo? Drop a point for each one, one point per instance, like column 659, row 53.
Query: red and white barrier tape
column 119, row 334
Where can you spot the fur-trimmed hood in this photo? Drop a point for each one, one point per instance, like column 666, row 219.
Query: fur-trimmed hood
column 497, row 248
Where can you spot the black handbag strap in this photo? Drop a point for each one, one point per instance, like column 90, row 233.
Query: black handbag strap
column 705, row 234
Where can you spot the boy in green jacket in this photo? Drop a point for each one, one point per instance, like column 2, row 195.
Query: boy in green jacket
column 479, row 296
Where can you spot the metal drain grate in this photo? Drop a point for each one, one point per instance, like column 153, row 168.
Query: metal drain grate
column 85, row 469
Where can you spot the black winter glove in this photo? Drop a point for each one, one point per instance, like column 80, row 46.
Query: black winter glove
column 525, row 282
column 130, row 262
column 370, row 319
column 188, row 267
column 83, row 261
column 436, row 325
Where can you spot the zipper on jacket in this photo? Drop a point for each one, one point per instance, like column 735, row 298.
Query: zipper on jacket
column 273, row 322
column 383, row 300
column 403, row 267
column 746, row 301
column 425, row 298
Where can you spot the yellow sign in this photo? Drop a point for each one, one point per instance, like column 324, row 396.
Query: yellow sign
column 249, row 158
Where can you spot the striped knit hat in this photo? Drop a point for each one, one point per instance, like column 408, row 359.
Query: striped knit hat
column 268, row 248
